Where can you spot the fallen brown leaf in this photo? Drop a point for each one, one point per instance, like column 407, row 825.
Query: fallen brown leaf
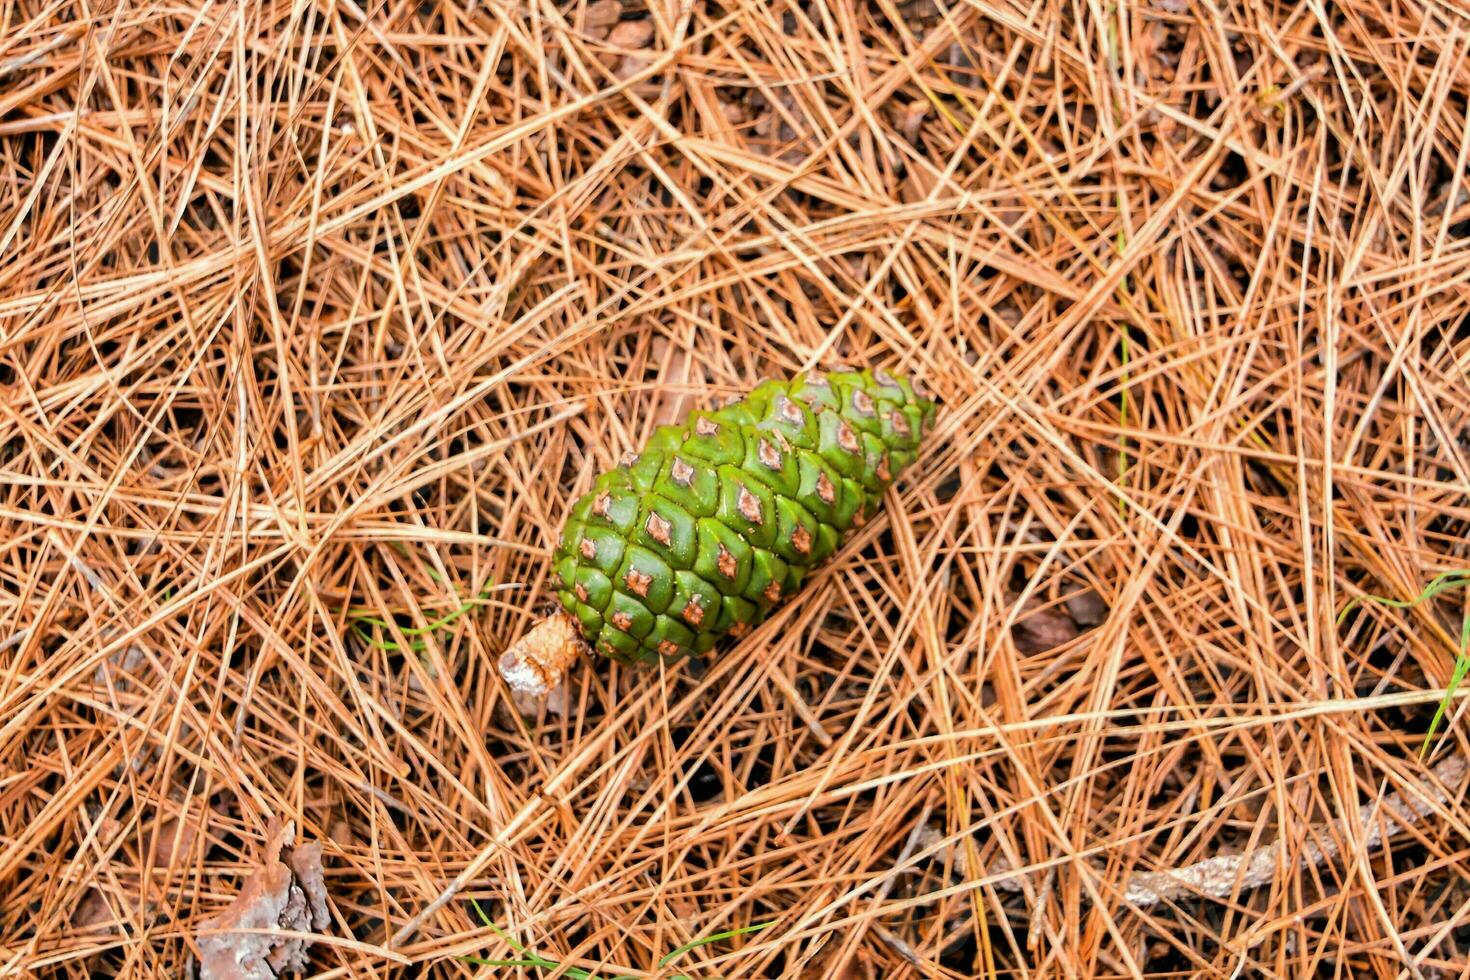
column 600, row 17
column 175, row 839
column 1043, row 630
column 1087, row 608
column 632, row 35
column 825, row 965
column 289, row 896
column 93, row 911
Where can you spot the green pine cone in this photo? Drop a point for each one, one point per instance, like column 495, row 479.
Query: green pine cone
column 718, row 519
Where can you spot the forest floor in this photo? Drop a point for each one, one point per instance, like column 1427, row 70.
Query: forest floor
column 316, row 316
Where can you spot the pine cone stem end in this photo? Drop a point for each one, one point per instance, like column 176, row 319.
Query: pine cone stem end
column 537, row 662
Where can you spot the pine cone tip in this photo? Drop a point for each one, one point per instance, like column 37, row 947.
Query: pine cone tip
column 538, row 661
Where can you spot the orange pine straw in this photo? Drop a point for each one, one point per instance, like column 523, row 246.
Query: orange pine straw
column 316, row 317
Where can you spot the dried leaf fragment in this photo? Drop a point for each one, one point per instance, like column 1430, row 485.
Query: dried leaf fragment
column 826, row 965
column 288, row 895
column 1045, row 629
column 173, row 839
column 93, row 911
column 600, row 17
column 1087, row 608
column 631, row 36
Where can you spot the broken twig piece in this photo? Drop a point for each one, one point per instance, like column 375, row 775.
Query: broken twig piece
column 1221, row 877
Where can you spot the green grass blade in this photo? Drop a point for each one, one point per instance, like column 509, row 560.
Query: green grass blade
column 529, row 959
column 489, row 923
column 418, row 646
column 1440, row 584
column 743, row 930
column 1462, row 665
column 361, row 620
column 446, row 620
column 532, row 960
